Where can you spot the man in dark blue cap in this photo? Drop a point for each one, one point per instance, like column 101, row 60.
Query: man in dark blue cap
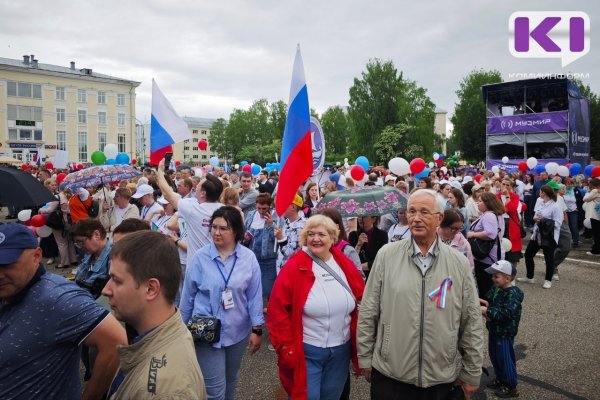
column 43, row 321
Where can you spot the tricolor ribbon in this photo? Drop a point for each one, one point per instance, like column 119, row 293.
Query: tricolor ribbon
column 439, row 294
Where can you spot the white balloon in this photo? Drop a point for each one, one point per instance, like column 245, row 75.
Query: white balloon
column 44, row 231
column 431, row 164
column 587, row 223
column 504, row 160
column 506, row 245
column 436, row 156
column 496, row 169
column 531, row 162
column 346, row 160
column 237, row 166
column 110, row 151
column 563, row 171
column 444, row 169
column 551, row 168
column 24, row 215
column 399, row 166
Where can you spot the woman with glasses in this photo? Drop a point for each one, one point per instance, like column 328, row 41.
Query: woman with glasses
column 223, row 281
column 450, row 232
column 489, row 226
column 312, row 315
column 456, row 200
column 514, row 209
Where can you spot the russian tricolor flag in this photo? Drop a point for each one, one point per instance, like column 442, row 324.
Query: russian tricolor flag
column 296, row 148
column 166, row 127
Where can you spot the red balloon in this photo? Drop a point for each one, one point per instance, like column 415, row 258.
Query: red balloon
column 568, row 165
column 523, row 166
column 134, row 161
column 38, row 220
column 596, row 172
column 202, row 144
column 247, row 168
column 49, row 165
column 79, row 166
column 25, row 167
column 357, row 172
column 439, row 162
column 417, row 166
column 478, row 177
column 177, row 163
column 60, row 177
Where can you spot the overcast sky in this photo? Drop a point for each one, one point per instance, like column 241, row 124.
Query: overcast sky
column 209, row 57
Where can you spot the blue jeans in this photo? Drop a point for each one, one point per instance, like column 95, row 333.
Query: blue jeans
column 327, row 370
column 502, row 355
column 268, row 273
column 220, row 368
column 574, row 226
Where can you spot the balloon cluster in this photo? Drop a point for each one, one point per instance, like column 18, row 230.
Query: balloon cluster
column 36, row 223
column 110, row 156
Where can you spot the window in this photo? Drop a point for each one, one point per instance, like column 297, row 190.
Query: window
column 101, row 97
column 60, row 115
column 195, row 131
column 195, row 156
column 37, row 91
column 101, row 140
column 186, row 148
column 81, row 96
column 203, row 132
column 25, row 134
column 120, row 100
column 121, row 142
column 186, row 141
column 101, row 118
column 82, row 146
column 24, row 113
column 121, row 119
column 61, row 140
column 204, row 156
column 60, row 93
column 37, row 134
column 82, row 116
column 196, row 140
column 13, row 134
column 11, row 88
column 22, row 89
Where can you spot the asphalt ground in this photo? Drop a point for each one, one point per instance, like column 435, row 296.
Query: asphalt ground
column 557, row 348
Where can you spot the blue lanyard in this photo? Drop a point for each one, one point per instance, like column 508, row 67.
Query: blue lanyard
column 230, row 272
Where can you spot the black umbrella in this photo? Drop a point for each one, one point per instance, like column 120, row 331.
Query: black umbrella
column 21, row 189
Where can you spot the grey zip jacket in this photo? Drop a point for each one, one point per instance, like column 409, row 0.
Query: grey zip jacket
column 401, row 331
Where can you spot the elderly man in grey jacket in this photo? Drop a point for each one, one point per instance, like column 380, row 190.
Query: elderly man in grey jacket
column 420, row 331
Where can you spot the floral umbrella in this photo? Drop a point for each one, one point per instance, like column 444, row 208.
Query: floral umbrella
column 98, row 175
column 364, row 201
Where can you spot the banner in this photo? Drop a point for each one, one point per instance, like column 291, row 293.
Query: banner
column 318, row 144
column 528, row 123
column 579, row 125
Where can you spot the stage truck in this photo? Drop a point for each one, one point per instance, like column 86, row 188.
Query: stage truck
column 543, row 118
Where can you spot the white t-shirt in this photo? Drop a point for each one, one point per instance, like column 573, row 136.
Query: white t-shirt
column 398, row 232
column 197, row 215
column 146, row 211
column 119, row 212
column 326, row 317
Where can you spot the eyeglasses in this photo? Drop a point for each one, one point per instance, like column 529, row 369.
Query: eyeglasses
column 454, row 229
column 423, row 213
column 223, row 229
column 80, row 242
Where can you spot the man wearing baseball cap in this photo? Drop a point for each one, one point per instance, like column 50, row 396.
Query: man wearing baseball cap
column 44, row 319
column 150, row 207
column 503, row 314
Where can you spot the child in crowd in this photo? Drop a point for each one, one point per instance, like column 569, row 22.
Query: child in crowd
column 503, row 313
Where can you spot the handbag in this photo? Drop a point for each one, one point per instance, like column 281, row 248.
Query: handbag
column 205, row 329
column 481, row 248
column 55, row 219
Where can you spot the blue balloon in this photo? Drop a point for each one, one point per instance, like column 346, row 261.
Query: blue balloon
column 243, row 163
column 214, row 161
column 363, row 162
column 540, row 168
column 227, row 168
column 122, row 158
column 442, row 156
column 423, row 174
column 335, row 177
column 256, row 169
column 112, row 161
column 575, row 169
column 588, row 170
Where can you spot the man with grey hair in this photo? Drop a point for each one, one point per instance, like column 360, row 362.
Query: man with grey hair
column 436, row 341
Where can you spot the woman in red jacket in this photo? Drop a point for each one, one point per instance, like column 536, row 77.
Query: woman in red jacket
column 512, row 219
column 312, row 316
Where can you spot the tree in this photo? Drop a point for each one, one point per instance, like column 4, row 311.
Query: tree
column 336, row 131
column 416, row 110
column 373, row 105
column 217, row 138
column 399, row 140
column 469, row 117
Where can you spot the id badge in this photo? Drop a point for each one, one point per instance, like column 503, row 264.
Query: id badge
column 227, row 298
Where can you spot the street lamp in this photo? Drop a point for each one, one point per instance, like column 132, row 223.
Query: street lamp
column 142, row 125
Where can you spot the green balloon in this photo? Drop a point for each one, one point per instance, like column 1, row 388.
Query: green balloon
column 98, row 158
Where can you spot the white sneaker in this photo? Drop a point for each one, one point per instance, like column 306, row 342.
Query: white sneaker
column 555, row 277
column 547, row 284
column 589, row 253
column 50, row 261
column 526, row 280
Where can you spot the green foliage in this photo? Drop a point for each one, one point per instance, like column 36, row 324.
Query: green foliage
column 336, row 130
column 469, row 117
column 399, row 140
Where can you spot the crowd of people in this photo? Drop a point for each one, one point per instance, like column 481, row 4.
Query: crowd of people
column 193, row 266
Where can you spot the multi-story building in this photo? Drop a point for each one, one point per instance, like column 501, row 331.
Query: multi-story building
column 187, row 151
column 439, row 127
column 51, row 107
